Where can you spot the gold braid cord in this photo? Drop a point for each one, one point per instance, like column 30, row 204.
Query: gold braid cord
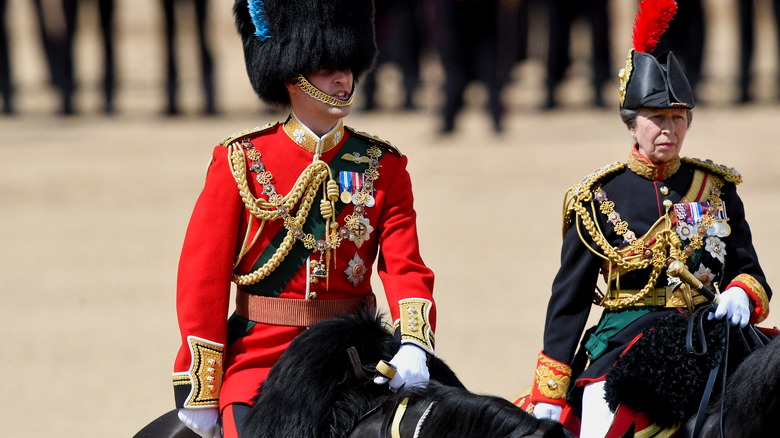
column 304, row 191
column 580, row 201
column 581, row 195
column 320, row 95
column 658, row 261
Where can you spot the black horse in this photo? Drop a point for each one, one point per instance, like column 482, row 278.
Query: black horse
column 323, row 387
column 750, row 403
column 318, row 389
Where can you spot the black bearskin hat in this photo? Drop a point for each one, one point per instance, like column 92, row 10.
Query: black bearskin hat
column 652, row 82
column 285, row 38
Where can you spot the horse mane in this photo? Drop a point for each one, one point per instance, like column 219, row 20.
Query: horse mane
column 312, row 390
column 751, row 402
column 458, row 412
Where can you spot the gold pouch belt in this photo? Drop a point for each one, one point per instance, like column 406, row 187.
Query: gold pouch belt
column 296, row 312
column 659, row 296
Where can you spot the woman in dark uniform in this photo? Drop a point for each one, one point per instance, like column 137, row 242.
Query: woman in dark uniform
column 625, row 222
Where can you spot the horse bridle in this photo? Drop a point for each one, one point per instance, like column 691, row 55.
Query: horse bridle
column 696, row 325
column 363, row 373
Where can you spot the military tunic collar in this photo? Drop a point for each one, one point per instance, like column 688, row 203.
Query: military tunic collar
column 305, row 138
column 642, row 166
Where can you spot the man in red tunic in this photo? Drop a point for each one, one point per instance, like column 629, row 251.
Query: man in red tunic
column 296, row 214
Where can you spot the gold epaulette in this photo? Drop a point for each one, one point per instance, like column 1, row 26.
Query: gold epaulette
column 728, row 173
column 582, row 191
column 375, row 139
column 245, row 133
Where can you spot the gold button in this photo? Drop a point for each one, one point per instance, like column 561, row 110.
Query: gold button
column 664, row 190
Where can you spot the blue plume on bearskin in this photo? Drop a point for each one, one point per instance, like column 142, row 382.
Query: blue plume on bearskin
column 258, row 19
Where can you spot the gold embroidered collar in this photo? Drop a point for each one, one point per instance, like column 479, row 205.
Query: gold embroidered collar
column 640, row 165
column 305, row 138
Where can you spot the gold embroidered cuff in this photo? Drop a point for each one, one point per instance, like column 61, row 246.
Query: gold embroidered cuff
column 757, row 294
column 552, row 379
column 205, row 374
column 415, row 323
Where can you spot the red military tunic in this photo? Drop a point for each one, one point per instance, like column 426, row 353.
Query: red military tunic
column 221, row 362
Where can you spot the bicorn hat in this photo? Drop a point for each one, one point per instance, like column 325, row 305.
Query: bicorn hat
column 286, row 38
column 648, row 81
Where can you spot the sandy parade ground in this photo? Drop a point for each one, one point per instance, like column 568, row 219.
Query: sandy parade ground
column 94, row 209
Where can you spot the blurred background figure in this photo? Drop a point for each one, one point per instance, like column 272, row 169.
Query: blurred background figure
column 562, row 15
column 686, row 37
column 57, row 22
column 747, row 21
column 206, row 60
column 6, row 88
column 57, row 27
column 470, row 50
column 400, row 39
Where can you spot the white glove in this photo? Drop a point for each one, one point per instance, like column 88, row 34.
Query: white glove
column 734, row 305
column 202, row 421
column 412, row 366
column 547, row 411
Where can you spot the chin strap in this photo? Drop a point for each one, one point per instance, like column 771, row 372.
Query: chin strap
column 315, row 93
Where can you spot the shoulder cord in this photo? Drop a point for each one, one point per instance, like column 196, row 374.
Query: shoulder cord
column 658, row 261
column 664, row 239
column 304, row 190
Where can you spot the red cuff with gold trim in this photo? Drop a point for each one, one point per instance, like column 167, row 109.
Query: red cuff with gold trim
column 523, row 400
column 756, row 293
column 551, row 383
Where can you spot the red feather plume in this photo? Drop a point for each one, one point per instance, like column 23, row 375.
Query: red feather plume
column 651, row 22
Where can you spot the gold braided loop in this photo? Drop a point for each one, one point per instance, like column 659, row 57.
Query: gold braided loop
column 314, row 177
column 309, row 180
column 621, row 303
column 611, row 253
column 284, row 249
column 668, row 243
column 304, row 190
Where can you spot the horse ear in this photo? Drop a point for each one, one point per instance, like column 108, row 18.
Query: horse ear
column 630, row 432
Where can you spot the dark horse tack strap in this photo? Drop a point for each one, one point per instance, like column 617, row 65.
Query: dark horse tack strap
column 395, row 416
column 701, row 415
column 276, row 281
